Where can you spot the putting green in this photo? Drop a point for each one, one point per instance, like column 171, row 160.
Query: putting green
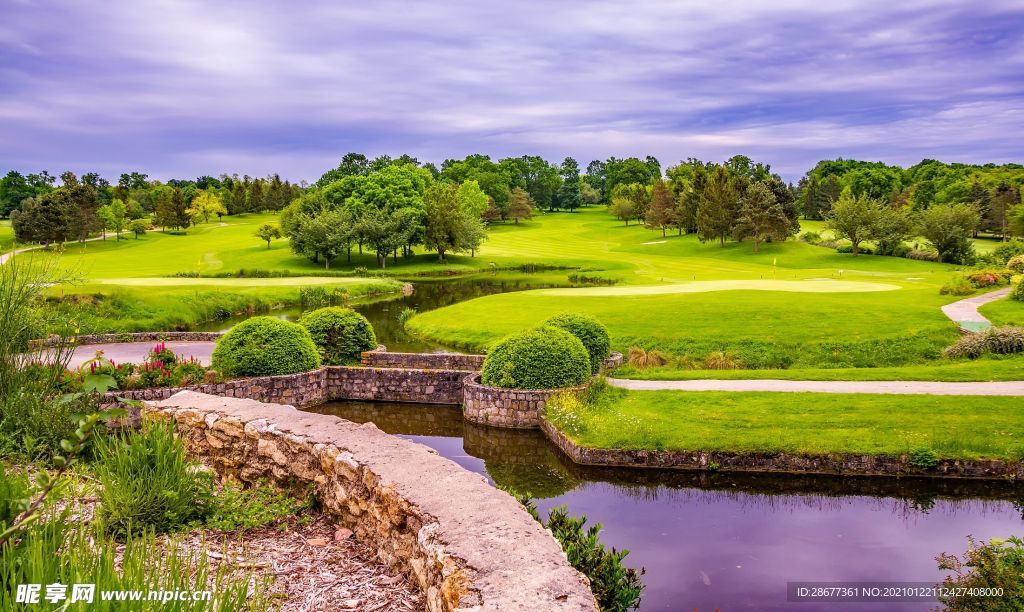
column 807, row 286
column 294, row 281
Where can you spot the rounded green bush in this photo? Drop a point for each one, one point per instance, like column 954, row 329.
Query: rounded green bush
column 265, row 346
column 542, row 358
column 591, row 333
column 1016, row 264
column 341, row 334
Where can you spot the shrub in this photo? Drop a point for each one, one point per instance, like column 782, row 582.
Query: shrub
column 996, row 567
column 1016, row 264
column 320, row 297
column 237, row 508
column 998, row 340
column 958, row 285
column 341, row 334
column 591, row 333
column 1006, row 251
column 265, row 346
column 923, row 458
column 848, row 248
column 810, row 237
column 148, row 483
column 1018, row 292
column 922, row 255
column 541, row 358
column 989, row 278
column 640, row 358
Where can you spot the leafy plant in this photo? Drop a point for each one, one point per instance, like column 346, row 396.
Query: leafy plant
column 958, row 285
column 541, row 358
column 591, row 333
column 405, row 315
column 148, row 483
column 1018, row 292
column 237, row 508
column 997, row 340
column 341, row 334
column 265, row 346
column 985, row 568
column 923, row 458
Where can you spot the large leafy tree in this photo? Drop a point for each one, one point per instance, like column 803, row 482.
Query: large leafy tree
column 492, row 178
column 14, row 189
column 205, row 205
column 452, row 220
column 520, row 205
column 948, row 229
column 569, row 195
column 171, row 209
column 761, row 217
column 662, row 213
column 853, row 217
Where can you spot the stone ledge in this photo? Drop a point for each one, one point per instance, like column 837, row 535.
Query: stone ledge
column 169, row 336
column 468, row 545
column 786, row 463
column 500, row 407
column 382, row 358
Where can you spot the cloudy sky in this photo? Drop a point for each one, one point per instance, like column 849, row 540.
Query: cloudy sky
column 181, row 88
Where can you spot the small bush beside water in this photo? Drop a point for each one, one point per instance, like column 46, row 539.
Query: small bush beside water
column 542, row 358
column 341, row 334
column 265, row 346
column 591, row 333
column 997, row 566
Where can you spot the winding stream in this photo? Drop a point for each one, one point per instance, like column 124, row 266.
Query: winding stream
column 727, row 541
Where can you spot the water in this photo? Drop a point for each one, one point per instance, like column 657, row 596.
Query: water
column 383, row 312
column 726, row 541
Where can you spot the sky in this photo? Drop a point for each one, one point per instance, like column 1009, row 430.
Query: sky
column 183, row 88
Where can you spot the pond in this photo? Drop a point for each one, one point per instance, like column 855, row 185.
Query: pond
column 727, row 541
column 383, row 313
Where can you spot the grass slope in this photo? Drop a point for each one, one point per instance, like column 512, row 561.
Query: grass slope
column 1004, row 312
column 6, row 236
column 764, row 328
column 809, row 423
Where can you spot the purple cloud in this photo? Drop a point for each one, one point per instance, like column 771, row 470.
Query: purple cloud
column 181, row 88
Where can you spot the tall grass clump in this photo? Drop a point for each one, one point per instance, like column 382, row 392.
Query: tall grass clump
column 1003, row 340
column 148, row 483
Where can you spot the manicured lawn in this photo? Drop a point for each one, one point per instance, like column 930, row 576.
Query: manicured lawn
column 181, row 305
column 976, row 370
column 811, row 423
column 6, row 235
column 1004, row 312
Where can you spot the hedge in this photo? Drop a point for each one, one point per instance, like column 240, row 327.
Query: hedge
column 542, row 358
column 591, row 333
column 341, row 334
column 265, row 346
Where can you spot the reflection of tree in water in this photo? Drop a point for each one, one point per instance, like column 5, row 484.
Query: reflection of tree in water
column 394, row 418
column 519, row 459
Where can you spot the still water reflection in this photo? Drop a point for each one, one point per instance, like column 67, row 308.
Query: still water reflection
column 727, row 541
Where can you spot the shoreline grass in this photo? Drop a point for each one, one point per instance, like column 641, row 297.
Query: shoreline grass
column 953, row 427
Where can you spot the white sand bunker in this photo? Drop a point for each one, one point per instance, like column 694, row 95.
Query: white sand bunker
column 806, row 286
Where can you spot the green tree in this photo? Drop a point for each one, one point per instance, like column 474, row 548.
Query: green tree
column 589, row 195
column 1016, row 220
column 138, row 227
column 206, row 203
column 113, row 217
column 761, row 217
column 268, row 232
column 853, row 217
column 892, row 227
column 445, row 218
column 472, row 200
column 717, row 206
column 14, row 189
column 569, row 196
column 948, row 229
column 171, row 210
column 322, row 236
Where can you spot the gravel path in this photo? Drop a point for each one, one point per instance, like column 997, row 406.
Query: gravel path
column 1014, row 388
column 965, row 312
column 135, row 352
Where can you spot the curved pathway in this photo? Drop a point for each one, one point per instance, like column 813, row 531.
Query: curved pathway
column 1013, row 388
column 135, row 352
column 965, row 312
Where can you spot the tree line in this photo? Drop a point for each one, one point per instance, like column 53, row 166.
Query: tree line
column 45, row 212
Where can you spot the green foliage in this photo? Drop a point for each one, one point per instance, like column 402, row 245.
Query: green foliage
column 237, row 508
column 1007, row 250
column 1003, row 340
column 265, row 346
column 958, row 285
column 315, row 296
column 1018, row 292
column 948, row 229
column 995, row 567
column 616, row 588
column 341, row 334
column 591, row 333
column 853, row 218
column 923, row 458
column 540, row 358
column 1016, row 264
column 14, row 496
column 148, row 483
column 989, row 278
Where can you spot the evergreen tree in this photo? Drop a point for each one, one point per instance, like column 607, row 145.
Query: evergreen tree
column 662, row 213
column 717, row 206
column 520, row 205
column 569, row 195
column 761, row 217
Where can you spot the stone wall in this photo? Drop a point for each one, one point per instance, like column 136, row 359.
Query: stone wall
column 467, row 545
column 169, row 336
column 303, row 389
column 497, row 407
column 865, row 465
column 396, row 385
column 423, row 361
